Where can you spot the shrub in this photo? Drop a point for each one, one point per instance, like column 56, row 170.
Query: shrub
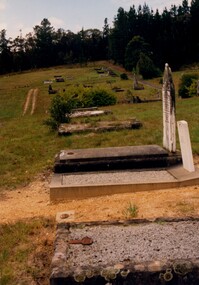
column 193, row 88
column 60, row 109
column 61, row 106
column 97, row 98
column 146, row 67
column 124, row 76
column 185, row 83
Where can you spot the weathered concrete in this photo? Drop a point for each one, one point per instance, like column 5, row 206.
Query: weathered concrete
column 130, row 252
column 85, row 185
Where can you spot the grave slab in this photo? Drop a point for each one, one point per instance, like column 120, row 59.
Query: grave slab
column 114, row 158
column 129, row 252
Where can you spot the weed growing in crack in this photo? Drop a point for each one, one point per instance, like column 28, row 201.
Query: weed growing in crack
column 131, row 211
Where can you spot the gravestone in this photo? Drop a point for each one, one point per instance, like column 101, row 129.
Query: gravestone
column 169, row 120
column 185, row 145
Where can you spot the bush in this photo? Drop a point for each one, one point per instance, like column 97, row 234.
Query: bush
column 146, row 67
column 193, row 89
column 124, row 76
column 60, row 109
column 185, row 84
column 61, row 106
column 98, row 98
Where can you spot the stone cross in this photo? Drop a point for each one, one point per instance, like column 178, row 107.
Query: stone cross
column 169, row 120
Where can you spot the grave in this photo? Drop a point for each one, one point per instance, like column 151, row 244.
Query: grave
column 97, row 127
column 136, row 252
column 116, row 158
column 88, row 112
column 160, row 251
column 84, row 165
column 169, row 121
column 185, row 145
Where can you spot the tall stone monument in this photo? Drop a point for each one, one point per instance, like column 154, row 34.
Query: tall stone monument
column 169, row 120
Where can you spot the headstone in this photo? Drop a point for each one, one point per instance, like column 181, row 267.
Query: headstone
column 185, row 145
column 198, row 88
column 169, row 121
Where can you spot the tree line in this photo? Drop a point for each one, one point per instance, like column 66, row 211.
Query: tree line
column 140, row 39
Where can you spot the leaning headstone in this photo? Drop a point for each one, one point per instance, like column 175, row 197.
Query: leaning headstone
column 136, row 85
column 198, row 88
column 185, row 145
column 169, row 121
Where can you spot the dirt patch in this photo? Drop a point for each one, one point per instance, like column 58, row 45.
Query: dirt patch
column 33, row 201
column 30, row 102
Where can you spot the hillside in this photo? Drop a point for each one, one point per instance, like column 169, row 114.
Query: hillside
column 28, row 148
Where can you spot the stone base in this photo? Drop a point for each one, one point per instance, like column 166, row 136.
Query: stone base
column 115, row 158
column 85, row 185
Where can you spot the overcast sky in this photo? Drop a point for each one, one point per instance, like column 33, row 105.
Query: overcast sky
column 16, row 15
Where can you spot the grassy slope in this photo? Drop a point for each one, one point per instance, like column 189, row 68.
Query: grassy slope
column 27, row 147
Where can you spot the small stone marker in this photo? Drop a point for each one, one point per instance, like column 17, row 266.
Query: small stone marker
column 169, row 121
column 185, row 145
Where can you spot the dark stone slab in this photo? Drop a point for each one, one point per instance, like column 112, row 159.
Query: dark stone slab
column 115, row 158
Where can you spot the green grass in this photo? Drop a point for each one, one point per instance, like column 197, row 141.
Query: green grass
column 28, row 147
column 24, row 253
column 131, row 211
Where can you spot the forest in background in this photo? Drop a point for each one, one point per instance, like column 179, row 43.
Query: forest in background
column 139, row 37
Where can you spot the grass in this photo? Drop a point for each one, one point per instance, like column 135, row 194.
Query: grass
column 28, row 147
column 131, row 211
column 25, row 250
column 185, row 208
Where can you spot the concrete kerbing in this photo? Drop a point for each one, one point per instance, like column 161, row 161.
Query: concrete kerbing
column 179, row 177
column 169, row 252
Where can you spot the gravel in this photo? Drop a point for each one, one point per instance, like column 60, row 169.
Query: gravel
column 115, row 177
column 135, row 243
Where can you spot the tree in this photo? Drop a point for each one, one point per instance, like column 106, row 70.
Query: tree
column 134, row 49
column 44, row 35
column 105, row 39
column 5, row 53
column 146, row 67
column 194, row 10
column 119, row 37
column 19, row 54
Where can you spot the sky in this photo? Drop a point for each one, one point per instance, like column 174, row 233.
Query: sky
column 20, row 16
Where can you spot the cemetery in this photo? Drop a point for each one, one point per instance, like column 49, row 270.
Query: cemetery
column 109, row 252
column 101, row 251
column 99, row 140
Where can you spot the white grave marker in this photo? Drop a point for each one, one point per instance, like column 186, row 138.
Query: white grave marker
column 185, row 145
column 168, row 101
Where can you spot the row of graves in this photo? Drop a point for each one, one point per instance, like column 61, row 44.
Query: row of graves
column 133, row 251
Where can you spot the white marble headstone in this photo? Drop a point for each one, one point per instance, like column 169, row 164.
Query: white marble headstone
column 185, row 145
